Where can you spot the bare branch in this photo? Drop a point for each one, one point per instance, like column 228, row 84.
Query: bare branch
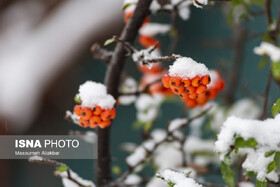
column 57, row 164
column 112, row 81
column 130, row 49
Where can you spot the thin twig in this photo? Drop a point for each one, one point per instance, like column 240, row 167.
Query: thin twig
column 130, row 49
column 273, row 35
column 57, row 164
column 143, row 90
column 160, row 59
column 100, row 53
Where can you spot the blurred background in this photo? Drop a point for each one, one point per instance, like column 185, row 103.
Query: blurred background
column 45, row 55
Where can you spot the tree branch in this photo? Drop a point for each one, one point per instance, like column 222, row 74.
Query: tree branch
column 112, row 81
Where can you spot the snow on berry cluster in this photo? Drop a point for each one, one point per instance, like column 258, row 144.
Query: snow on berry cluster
column 97, row 107
column 189, row 80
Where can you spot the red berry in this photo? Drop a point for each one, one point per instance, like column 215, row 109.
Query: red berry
column 191, row 103
column 86, row 113
column 127, row 16
column 106, row 115
column 201, row 89
column 186, row 82
column 148, row 41
column 196, row 81
column 77, row 110
column 220, row 85
column 193, row 95
column 156, row 68
column 206, row 80
column 211, row 94
column 95, row 121
column 104, row 124
column 83, row 123
column 201, row 99
column 165, row 80
column 97, row 110
column 178, row 90
column 190, row 90
column 184, row 95
column 113, row 113
column 174, row 81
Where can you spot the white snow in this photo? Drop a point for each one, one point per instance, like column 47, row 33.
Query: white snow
column 158, row 135
column 145, row 54
column 179, row 179
column 194, row 144
column 68, row 183
column 266, row 133
column 168, row 155
column 149, row 144
column 35, row 158
column 152, row 29
column 187, row 68
column 132, row 179
column 243, row 108
column 257, row 162
column 268, row 49
column 156, row 182
column 137, row 156
column 148, row 107
column 246, row 184
column 93, row 94
column 214, row 78
column 200, row 3
column 184, row 10
column 176, row 124
column 128, row 146
column 128, row 86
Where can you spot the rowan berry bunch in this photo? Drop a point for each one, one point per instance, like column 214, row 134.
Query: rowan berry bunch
column 217, row 84
column 97, row 107
column 189, row 80
column 93, row 117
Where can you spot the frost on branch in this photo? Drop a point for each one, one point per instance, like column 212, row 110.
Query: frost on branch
column 69, row 183
column 176, row 124
column 69, row 177
column 200, row 3
column 259, row 140
column 177, row 179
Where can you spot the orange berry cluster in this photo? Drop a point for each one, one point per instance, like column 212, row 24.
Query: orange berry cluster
column 192, row 91
column 94, row 117
column 218, row 85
